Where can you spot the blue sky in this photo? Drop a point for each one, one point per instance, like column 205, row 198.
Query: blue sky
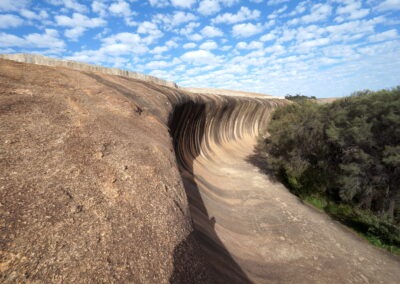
column 316, row 48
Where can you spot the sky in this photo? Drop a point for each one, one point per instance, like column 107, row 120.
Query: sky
column 278, row 47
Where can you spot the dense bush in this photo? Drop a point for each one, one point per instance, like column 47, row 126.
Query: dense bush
column 347, row 152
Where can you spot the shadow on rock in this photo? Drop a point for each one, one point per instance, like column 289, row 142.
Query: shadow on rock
column 259, row 159
column 201, row 257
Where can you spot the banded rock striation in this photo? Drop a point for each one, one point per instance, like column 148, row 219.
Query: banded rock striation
column 130, row 178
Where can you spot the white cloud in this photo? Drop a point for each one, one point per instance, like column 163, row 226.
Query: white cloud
column 74, row 33
column 74, row 5
column 270, row 23
column 126, row 38
column 10, row 21
column 382, row 49
column 355, row 15
column 277, row 13
column 12, row 5
column 354, row 30
column 171, row 44
column 199, row 57
column 387, row 35
column 176, row 19
column 251, row 45
column 210, row 31
column 276, row 2
column 183, row 3
column 115, row 50
column 189, row 28
column 79, row 20
column 244, row 14
column 319, row 12
column 78, row 24
column 281, row 10
column 189, row 45
column 306, row 45
column 121, row 8
column 157, row 64
column 209, row 45
column 161, row 64
column 181, row 17
column 287, row 35
column 195, row 37
column 99, row 8
column 246, row 30
column 159, row 49
column 300, row 9
column 209, row 7
column 149, row 28
column 34, row 15
column 348, row 7
column 49, row 41
column 9, row 40
column 228, row 3
column 309, row 32
column 343, row 51
column 268, row 37
column 159, row 3
column 350, row 11
column 226, row 47
column 389, row 5
column 69, row 4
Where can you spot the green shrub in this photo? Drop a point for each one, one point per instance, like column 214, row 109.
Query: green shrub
column 343, row 157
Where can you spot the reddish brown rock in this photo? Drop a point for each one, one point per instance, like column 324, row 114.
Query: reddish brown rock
column 101, row 176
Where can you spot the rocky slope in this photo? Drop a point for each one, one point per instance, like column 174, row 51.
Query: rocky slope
column 109, row 178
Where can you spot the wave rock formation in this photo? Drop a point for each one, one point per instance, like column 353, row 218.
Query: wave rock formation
column 114, row 176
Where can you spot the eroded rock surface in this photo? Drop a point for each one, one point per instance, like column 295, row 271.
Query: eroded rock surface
column 102, row 175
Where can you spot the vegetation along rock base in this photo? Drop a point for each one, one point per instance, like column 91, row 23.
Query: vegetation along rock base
column 343, row 157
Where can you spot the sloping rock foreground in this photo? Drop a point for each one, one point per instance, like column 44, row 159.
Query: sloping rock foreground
column 110, row 178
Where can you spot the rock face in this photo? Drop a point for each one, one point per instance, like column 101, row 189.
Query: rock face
column 110, row 178
column 90, row 188
column 43, row 60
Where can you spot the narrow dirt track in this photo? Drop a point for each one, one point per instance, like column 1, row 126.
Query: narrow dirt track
column 270, row 234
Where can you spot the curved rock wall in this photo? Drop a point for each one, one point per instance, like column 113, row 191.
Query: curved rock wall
column 99, row 183
column 201, row 124
column 202, row 129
